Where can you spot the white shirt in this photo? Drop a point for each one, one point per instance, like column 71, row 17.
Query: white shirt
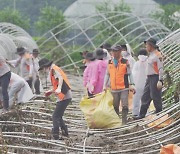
column 154, row 58
column 4, row 68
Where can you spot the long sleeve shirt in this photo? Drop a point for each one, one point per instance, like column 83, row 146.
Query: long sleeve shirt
column 155, row 64
column 4, row 68
column 26, row 65
column 138, row 72
column 58, row 76
column 34, row 71
column 93, row 76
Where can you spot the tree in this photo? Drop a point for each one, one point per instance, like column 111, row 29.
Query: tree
column 163, row 2
column 49, row 18
column 13, row 16
column 168, row 15
column 110, row 11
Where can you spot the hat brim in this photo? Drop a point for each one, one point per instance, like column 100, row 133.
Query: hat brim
column 152, row 44
column 101, row 56
column 18, row 53
column 45, row 65
column 35, row 53
column 90, row 58
column 115, row 50
column 108, row 49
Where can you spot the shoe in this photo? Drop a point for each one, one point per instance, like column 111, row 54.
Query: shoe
column 65, row 131
column 139, row 117
column 4, row 111
column 55, row 134
column 134, row 117
column 124, row 116
column 156, row 112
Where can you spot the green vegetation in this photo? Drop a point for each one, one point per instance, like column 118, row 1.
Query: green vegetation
column 31, row 9
column 49, row 18
column 167, row 16
column 173, row 87
column 104, row 8
column 14, row 16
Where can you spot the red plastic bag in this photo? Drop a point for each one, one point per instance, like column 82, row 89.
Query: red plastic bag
column 48, row 93
column 170, row 149
column 165, row 121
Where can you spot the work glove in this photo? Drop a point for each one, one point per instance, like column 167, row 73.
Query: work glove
column 57, row 91
column 48, row 93
column 91, row 89
column 105, row 88
column 159, row 85
column 30, row 77
column 132, row 88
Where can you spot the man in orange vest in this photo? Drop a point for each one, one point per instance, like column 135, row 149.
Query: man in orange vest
column 120, row 75
column 154, row 82
column 62, row 89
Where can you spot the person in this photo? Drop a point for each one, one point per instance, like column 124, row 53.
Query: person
column 62, row 89
column 20, row 87
column 83, row 55
column 90, row 75
column 5, row 75
column 1, row 98
column 154, row 82
column 26, row 65
column 118, row 73
column 126, row 54
column 102, row 67
column 139, row 77
column 107, row 49
column 35, row 73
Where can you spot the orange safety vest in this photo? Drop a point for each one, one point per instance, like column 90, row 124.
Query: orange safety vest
column 118, row 75
column 158, row 54
column 65, row 86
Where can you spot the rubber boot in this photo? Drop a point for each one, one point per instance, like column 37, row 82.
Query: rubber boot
column 124, row 116
column 65, row 131
column 55, row 134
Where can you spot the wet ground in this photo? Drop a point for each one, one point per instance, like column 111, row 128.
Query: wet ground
column 27, row 129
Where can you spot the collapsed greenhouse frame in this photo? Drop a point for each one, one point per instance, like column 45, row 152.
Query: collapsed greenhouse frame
column 33, row 134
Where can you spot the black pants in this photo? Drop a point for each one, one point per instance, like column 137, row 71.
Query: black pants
column 58, row 114
column 151, row 93
column 29, row 83
column 37, row 86
column 4, row 80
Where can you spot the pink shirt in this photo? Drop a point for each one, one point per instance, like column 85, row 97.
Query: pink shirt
column 94, row 75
